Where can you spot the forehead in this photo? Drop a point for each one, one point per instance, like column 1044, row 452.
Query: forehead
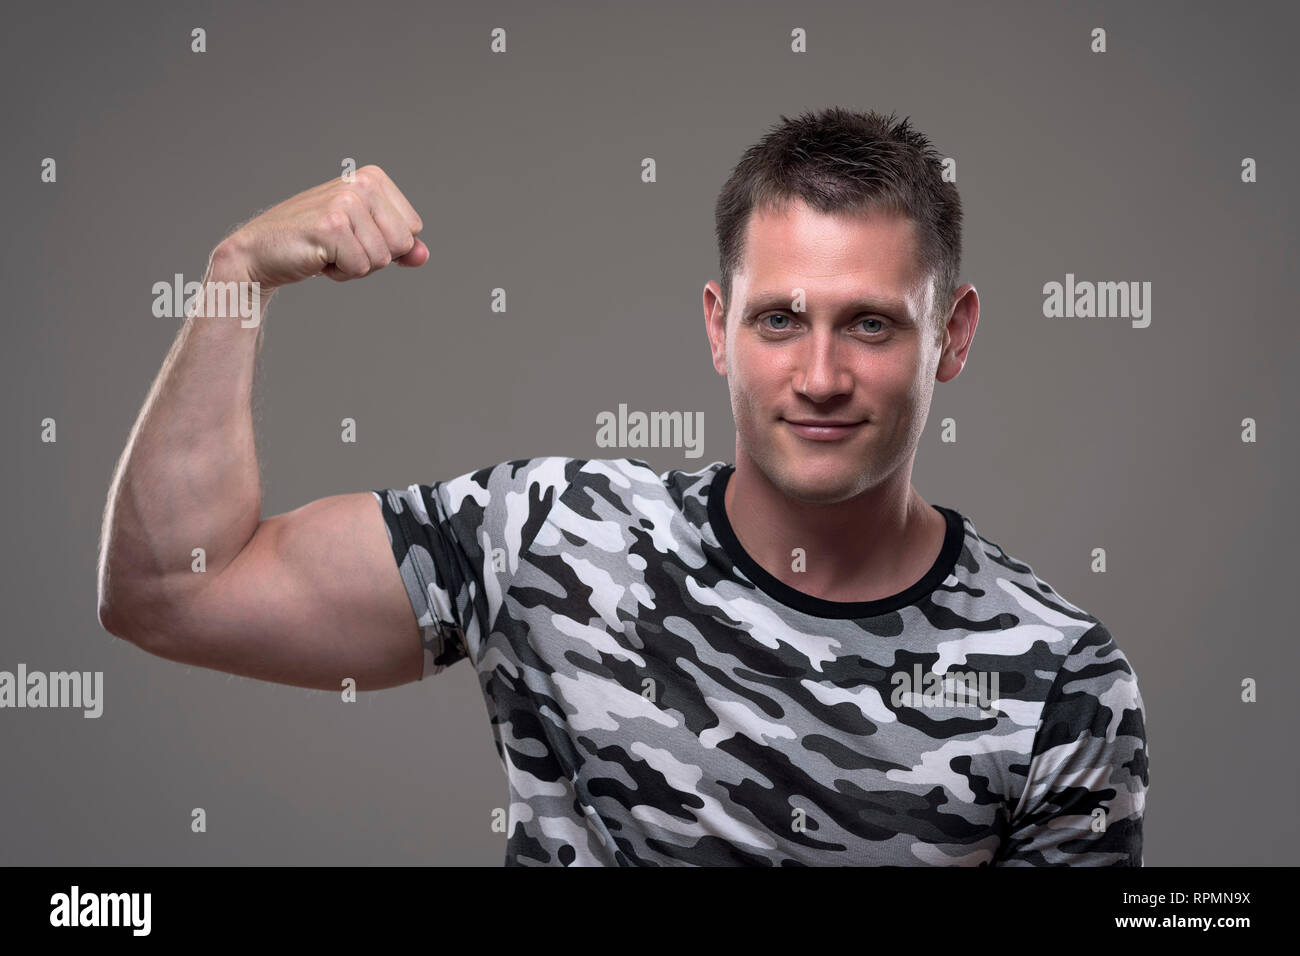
column 830, row 256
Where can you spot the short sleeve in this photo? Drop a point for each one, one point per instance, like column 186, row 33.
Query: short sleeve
column 1086, row 785
column 457, row 544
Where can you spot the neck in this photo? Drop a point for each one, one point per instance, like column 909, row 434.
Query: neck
column 868, row 547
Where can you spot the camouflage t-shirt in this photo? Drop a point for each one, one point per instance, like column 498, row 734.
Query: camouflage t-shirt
column 657, row 698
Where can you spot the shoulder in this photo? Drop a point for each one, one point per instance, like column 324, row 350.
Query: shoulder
column 635, row 482
column 1036, row 618
column 543, row 475
column 526, row 489
column 1095, row 682
column 1007, row 582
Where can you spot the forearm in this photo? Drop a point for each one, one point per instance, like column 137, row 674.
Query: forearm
column 189, row 475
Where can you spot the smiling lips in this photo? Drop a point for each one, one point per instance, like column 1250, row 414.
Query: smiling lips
column 823, row 430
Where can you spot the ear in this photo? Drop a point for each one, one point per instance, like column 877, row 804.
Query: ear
column 715, row 325
column 958, row 333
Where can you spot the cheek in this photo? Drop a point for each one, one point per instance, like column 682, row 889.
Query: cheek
column 762, row 372
column 755, row 389
column 749, row 397
column 898, row 386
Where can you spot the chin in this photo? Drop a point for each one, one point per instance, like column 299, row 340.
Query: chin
column 821, row 483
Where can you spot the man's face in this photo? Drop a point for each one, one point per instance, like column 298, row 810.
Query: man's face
column 864, row 351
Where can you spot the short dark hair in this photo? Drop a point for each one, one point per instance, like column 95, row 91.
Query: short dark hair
column 846, row 162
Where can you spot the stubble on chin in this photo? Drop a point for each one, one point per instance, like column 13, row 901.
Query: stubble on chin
column 828, row 484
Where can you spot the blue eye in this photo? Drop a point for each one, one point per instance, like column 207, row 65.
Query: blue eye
column 782, row 315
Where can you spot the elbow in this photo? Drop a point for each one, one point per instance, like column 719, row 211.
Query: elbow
column 116, row 618
column 111, row 617
column 126, row 614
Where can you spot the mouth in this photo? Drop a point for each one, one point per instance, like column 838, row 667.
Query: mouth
column 829, row 430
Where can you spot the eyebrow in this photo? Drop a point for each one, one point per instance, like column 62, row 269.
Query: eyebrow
column 764, row 301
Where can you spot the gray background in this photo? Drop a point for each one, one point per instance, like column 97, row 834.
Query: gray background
column 1073, row 434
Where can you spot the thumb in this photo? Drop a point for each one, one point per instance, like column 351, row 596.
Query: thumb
column 418, row 255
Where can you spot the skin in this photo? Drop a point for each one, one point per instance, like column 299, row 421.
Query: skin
column 312, row 597
column 849, row 504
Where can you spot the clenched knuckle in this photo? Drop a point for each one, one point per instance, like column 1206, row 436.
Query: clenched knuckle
column 335, row 220
column 348, row 200
column 364, row 189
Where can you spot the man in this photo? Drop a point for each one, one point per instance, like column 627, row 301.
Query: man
column 792, row 661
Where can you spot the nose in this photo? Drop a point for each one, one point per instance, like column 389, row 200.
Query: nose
column 822, row 374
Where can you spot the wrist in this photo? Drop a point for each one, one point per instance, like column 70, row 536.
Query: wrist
column 229, row 263
column 229, row 289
